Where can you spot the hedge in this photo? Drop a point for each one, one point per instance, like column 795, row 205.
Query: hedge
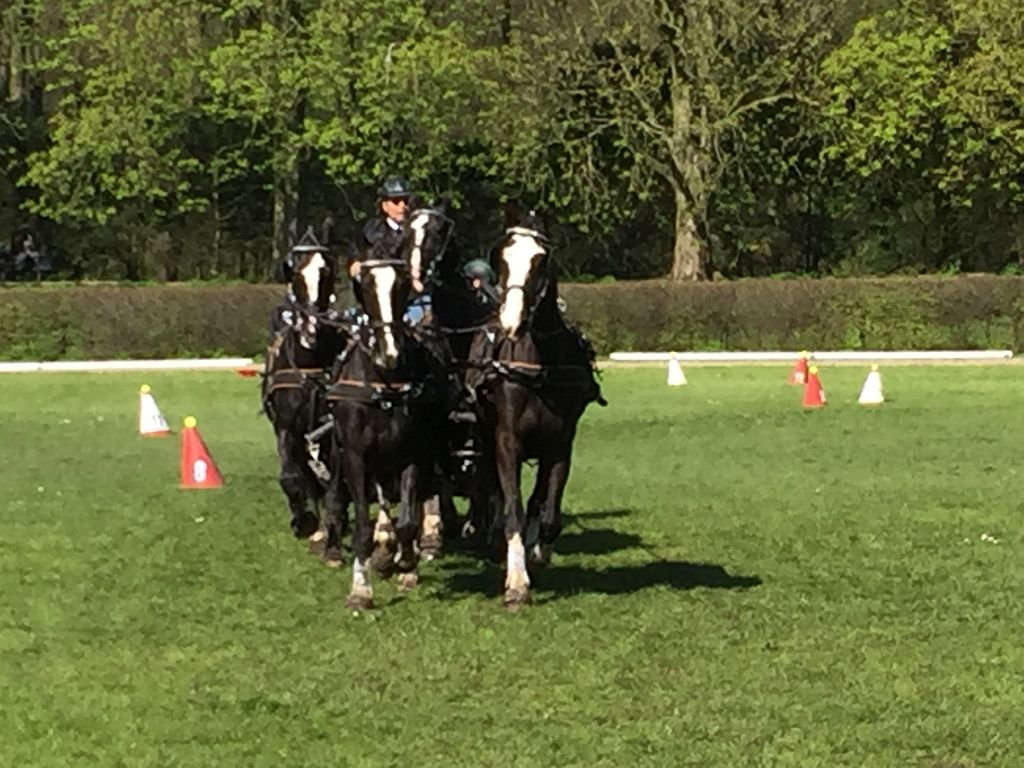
column 48, row 321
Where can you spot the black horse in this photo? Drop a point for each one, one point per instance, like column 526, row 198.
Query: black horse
column 387, row 403
column 307, row 340
column 458, row 311
column 534, row 379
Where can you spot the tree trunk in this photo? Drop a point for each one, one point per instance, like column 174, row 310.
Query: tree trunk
column 285, row 185
column 688, row 254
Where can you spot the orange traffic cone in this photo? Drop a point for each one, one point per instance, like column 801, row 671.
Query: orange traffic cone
column 197, row 467
column 814, row 395
column 799, row 373
column 151, row 421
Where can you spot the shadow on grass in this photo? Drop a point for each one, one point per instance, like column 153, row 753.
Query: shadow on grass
column 596, row 541
column 565, row 581
column 558, row 582
column 570, row 518
column 577, row 537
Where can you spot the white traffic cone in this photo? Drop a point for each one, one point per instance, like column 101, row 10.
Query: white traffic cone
column 871, row 392
column 151, row 421
column 676, row 377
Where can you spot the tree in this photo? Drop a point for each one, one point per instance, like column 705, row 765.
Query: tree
column 927, row 120
column 406, row 87
column 644, row 93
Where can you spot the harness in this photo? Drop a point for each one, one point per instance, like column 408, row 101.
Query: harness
column 384, row 393
column 312, row 381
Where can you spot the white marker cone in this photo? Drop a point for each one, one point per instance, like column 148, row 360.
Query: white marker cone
column 871, row 392
column 151, row 421
column 676, row 377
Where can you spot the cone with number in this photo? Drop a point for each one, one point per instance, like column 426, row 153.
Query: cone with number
column 814, row 395
column 151, row 421
column 676, row 377
column 799, row 372
column 871, row 392
column 197, row 467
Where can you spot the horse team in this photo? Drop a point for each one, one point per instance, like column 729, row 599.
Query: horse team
column 370, row 408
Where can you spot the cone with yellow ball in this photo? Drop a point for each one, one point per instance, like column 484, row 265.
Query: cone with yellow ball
column 799, row 372
column 198, row 469
column 151, row 422
column 814, row 393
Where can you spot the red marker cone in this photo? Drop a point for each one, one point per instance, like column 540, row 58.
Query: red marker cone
column 814, row 395
column 799, row 373
column 198, row 469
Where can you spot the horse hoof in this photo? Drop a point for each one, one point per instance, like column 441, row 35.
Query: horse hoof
column 431, row 547
column 382, row 563
column 515, row 599
column 333, row 558
column 359, row 602
column 540, row 555
column 305, row 527
column 408, row 581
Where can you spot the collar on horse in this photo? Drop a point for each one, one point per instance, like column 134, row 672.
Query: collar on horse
column 385, row 394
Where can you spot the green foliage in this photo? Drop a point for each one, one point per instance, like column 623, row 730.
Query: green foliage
column 110, row 322
column 137, row 321
column 175, row 141
column 125, row 88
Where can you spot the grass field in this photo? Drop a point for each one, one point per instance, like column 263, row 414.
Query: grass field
column 740, row 583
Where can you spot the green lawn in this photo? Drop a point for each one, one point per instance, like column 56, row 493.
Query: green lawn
column 740, row 583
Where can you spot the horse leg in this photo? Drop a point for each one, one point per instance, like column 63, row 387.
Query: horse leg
column 382, row 559
column 517, row 581
column 551, row 510
column 533, row 507
column 336, row 519
column 449, row 514
column 361, row 595
column 431, row 541
column 408, row 527
column 304, row 523
column 485, row 516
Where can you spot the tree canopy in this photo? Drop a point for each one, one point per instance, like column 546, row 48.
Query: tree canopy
column 195, row 139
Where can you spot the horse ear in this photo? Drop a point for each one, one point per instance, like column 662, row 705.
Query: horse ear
column 540, row 220
column 513, row 213
column 443, row 204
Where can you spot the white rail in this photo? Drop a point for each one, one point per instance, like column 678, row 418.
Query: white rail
column 90, row 366
column 768, row 357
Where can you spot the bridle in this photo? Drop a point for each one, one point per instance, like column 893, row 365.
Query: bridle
column 378, row 326
column 307, row 315
column 545, row 241
column 449, row 224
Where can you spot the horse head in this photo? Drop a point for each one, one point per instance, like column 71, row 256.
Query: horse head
column 385, row 286
column 430, row 229
column 312, row 283
column 522, row 267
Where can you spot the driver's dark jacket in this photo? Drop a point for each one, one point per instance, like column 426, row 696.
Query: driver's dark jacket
column 377, row 230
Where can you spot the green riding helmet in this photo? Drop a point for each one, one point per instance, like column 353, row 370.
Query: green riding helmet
column 394, row 188
column 480, row 269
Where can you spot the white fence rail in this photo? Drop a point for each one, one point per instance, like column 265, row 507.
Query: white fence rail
column 769, row 357
column 91, row 366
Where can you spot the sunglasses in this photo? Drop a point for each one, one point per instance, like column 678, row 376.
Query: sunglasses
column 403, row 200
